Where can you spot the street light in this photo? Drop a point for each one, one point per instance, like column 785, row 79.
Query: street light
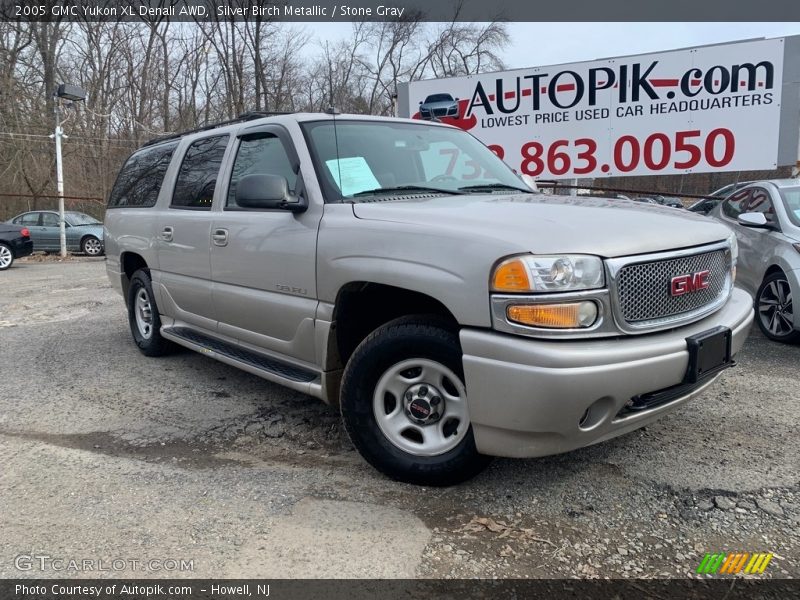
column 73, row 93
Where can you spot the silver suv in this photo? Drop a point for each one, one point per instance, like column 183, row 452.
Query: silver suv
column 402, row 271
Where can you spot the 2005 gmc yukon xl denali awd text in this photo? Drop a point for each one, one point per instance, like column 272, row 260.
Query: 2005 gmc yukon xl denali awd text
column 403, row 271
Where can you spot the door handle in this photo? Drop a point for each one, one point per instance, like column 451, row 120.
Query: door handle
column 166, row 234
column 220, row 237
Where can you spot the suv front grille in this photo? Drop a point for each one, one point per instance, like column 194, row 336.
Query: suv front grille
column 643, row 289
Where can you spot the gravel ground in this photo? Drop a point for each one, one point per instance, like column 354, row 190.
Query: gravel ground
column 107, row 454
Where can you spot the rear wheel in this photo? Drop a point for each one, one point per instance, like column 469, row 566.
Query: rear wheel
column 143, row 317
column 404, row 404
column 91, row 246
column 6, row 257
column 775, row 309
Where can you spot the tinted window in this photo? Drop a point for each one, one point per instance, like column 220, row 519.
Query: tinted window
column 264, row 154
column 736, row 203
column 139, row 181
column 198, row 174
column 49, row 220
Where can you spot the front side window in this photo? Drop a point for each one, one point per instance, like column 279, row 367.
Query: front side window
column 50, row 220
column 736, row 203
column 140, row 178
column 356, row 159
column 197, row 177
column 260, row 153
column 760, row 201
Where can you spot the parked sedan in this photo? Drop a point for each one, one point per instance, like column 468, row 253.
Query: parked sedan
column 84, row 233
column 15, row 242
column 765, row 216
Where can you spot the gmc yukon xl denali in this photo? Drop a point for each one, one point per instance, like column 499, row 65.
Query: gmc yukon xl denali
column 402, row 271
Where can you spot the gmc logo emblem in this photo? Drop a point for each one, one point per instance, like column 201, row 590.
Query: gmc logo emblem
column 686, row 284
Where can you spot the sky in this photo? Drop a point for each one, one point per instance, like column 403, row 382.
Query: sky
column 534, row 44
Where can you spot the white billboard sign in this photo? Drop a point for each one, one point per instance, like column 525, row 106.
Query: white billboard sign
column 712, row 108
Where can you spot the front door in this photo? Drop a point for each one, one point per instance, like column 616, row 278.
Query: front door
column 263, row 262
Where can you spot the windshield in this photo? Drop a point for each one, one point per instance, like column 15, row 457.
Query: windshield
column 363, row 159
column 76, row 219
column 791, row 200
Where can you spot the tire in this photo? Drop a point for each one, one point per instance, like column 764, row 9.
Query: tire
column 143, row 317
column 91, row 246
column 419, row 356
column 6, row 256
column 774, row 309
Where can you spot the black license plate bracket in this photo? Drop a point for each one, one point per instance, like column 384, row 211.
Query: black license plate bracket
column 709, row 353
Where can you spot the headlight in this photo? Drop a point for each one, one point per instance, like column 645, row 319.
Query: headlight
column 531, row 273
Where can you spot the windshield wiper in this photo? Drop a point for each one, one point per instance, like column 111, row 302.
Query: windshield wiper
column 493, row 186
column 405, row 188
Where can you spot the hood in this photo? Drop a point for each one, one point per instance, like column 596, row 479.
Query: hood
column 554, row 224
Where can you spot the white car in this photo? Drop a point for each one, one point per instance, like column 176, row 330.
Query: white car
column 765, row 215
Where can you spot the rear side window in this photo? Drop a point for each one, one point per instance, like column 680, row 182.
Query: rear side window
column 198, row 174
column 28, row 219
column 139, row 181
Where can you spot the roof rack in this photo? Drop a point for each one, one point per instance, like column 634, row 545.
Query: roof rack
column 245, row 116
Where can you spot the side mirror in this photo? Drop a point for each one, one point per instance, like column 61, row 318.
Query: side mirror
column 420, row 101
column 265, row 191
column 455, row 99
column 756, row 220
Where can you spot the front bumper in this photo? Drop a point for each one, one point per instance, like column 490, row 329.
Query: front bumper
column 531, row 397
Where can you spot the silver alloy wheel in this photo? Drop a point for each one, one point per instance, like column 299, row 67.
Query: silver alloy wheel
column 92, row 246
column 421, row 407
column 143, row 312
column 775, row 308
column 6, row 258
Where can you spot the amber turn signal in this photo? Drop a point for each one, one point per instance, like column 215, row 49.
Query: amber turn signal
column 511, row 276
column 567, row 315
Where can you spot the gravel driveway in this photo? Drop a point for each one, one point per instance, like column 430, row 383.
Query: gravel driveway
column 108, row 455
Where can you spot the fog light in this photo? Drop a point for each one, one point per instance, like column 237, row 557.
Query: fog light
column 566, row 315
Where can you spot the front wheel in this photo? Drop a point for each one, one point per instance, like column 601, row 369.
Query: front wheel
column 91, row 246
column 143, row 317
column 404, row 404
column 6, row 257
column 774, row 309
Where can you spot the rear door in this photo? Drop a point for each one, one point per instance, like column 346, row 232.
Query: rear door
column 183, row 234
column 263, row 262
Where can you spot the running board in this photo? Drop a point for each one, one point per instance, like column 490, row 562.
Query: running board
column 264, row 366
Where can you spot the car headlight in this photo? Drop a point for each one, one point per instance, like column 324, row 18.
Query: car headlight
column 530, row 273
column 734, row 245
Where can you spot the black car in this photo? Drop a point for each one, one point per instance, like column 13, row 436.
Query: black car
column 15, row 242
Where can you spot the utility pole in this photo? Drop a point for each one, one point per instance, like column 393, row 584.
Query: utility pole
column 75, row 94
column 62, row 227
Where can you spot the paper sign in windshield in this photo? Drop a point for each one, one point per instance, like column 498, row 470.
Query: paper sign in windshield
column 352, row 175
